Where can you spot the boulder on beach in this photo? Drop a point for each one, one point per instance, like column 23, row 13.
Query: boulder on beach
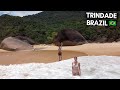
column 69, row 37
column 118, row 40
column 14, row 44
column 26, row 39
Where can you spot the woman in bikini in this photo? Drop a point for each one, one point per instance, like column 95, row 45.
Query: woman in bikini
column 76, row 67
column 60, row 52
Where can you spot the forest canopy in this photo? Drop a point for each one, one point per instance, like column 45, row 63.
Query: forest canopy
column 43, row 27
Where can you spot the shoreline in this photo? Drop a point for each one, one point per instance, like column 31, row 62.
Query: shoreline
column 48, row 53
column 42, row 56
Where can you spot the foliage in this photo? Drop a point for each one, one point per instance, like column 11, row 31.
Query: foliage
column 44, row 26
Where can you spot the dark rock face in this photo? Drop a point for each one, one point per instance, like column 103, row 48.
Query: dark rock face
column 14, row 44
column 118, row 40
column 69, row 38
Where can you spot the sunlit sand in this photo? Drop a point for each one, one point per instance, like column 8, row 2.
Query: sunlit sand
column 48, row 53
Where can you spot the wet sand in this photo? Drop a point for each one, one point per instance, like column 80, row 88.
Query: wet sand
column 48, row 53
column 44, row 56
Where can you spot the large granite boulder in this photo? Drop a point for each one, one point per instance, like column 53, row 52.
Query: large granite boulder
column 14, row 44
column 69, row 37
column 26, row 39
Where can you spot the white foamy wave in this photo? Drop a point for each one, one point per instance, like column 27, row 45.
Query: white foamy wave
column 92, row 67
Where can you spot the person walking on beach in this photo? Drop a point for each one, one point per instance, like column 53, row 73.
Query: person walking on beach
column 60, row 52
column 76, row 67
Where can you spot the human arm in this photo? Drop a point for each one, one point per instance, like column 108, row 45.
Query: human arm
column 79, row 69
column 72, row 68
column 72, row 65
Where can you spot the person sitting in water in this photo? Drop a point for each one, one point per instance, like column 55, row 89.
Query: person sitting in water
column 76, row 67
column 60, row 52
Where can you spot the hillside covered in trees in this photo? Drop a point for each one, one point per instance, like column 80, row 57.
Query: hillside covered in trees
column 43, row 27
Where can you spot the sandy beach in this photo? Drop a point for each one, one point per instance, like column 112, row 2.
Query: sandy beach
column 48, row 53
